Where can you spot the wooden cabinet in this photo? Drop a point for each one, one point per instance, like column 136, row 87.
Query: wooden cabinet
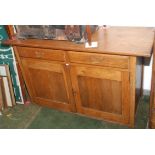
column 97, row 85
column 103, row 82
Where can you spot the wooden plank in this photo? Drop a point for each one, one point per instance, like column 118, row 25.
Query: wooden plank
column 5, row 73
column 126, row 97
column 132, row 90
column 3, row 93
column 10, row 31
column 10, row 85
column 7, row 92
column 152, row 95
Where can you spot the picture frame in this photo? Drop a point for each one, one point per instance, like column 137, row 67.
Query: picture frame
column 1, row 94
column 8, row 94
column 3, row 103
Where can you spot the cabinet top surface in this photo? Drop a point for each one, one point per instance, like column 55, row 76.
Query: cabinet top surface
column 133, row 41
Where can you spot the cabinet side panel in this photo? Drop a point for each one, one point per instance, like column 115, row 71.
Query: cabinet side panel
column 139, row 80
column 132, row 89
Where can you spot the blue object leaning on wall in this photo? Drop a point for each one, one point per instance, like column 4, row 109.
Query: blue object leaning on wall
column 7, row 57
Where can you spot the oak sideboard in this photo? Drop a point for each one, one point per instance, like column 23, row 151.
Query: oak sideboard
column 105, row 82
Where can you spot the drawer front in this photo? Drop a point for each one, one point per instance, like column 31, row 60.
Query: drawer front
column 38, row 53
column 99, row 59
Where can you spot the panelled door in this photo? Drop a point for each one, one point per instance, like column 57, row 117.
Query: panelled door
column 47, row 83
column 101, row 92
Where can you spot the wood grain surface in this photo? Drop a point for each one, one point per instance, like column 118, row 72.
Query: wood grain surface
column 133, row 41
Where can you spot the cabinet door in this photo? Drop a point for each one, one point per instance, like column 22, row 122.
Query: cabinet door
column 47, row 83
column 101, row 92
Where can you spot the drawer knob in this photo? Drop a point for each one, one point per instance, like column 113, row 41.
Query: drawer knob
column 67, row 64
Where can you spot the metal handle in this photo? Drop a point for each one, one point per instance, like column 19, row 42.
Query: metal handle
column 67, row 64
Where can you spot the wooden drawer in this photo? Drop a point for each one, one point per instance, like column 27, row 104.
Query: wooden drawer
column 39, row 53
column 99, row 59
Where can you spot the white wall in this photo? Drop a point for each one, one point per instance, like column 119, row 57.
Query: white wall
column 147, row 76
